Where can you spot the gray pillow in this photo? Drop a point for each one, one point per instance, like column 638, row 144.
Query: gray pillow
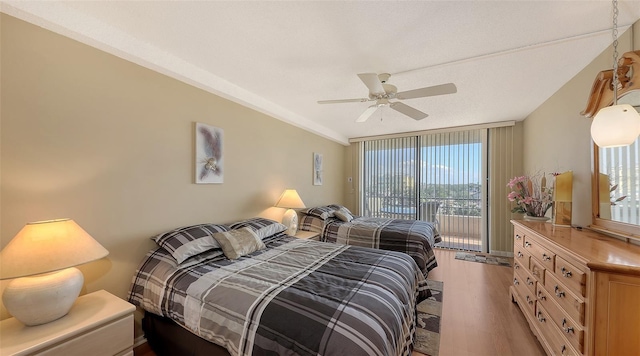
column 239, row 242
column 343, row 214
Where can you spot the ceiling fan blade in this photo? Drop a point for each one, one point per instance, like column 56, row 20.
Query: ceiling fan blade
column 372, row 82
column 367, row 113
column 338, row 101
column 408, row 110
column 441, row 89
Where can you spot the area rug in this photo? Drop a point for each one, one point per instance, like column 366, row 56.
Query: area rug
column 428, row 324
column 478, row 257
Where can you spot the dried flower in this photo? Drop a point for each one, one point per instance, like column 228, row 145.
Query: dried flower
column 531, row 194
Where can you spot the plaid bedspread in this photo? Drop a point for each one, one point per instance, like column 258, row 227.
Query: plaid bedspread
column 296, row 297
column 413, row 237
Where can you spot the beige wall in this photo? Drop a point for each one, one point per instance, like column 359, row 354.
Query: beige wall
column 92, row 137
column 557, row 138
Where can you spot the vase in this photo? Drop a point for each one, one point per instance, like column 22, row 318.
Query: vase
column 536, row 218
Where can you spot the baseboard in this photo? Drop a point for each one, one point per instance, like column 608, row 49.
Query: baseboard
column 501, row 253
column 140, row 340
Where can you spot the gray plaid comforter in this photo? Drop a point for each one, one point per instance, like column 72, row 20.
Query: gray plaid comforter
column 413, row 237
column 296, row 297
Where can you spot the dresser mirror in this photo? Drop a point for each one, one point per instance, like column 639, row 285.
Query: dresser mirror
column 616, row 185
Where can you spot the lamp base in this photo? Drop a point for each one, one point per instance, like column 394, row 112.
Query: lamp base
column 43, row 298
column 290, row 220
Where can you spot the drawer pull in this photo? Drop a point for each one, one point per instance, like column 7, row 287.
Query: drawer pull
column 527, row 244
column 529, row 281
column 540, row 317
column 520, row 255
column 541, row 296
column 558, row 292
column 566, row 272
column 567, row 329
column 518, row 237
column 545, row 257
column 516, row 266
column 515, row 281
column 529, row 300
column 564, row 348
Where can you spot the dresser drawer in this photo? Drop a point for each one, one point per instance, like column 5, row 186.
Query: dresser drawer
column 539, row 252
column 111, row 339
column 518, row 238
column 525, row 297
column 571, row 276
column 566, row 299
column 525, row 276
column 537, row 270
column 557, row 343
column 571, row 330
column 521, row 255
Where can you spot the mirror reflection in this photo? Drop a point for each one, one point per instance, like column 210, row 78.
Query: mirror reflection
column 619, row 180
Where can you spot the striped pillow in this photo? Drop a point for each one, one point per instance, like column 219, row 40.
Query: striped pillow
column 261, row 226
column 321, row 212
column 188, row 241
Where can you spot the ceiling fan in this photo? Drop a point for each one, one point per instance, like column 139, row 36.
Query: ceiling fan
column 381, row 92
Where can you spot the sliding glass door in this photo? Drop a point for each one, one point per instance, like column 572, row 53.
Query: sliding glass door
column 436, row 177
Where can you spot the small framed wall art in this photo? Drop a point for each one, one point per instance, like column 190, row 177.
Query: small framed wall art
column 317, row 168
column 209, row 157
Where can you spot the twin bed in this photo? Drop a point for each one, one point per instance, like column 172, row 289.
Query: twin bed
column 336, row 224
column 249, row 289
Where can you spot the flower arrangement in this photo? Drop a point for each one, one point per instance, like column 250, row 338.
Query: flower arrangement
column 532, row 195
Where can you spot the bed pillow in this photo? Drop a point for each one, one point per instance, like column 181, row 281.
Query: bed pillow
column 321, row 212
column 311, row 223
column 239, row 242
column 343, row 214
column 188, row 241
column 261, row 226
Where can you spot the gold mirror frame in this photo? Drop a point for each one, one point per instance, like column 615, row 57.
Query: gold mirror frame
column 601, row 95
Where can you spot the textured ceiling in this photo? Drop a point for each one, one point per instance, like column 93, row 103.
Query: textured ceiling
column 505, row 57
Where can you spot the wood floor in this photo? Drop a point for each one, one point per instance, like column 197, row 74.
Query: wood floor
column 478, row 317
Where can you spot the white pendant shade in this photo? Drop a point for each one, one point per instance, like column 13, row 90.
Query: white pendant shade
column 617, row 125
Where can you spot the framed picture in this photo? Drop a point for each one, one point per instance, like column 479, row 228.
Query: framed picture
column 317, row 168
column 209, row 157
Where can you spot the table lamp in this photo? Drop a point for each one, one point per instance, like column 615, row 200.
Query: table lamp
column 41, row 258
column 290, row 200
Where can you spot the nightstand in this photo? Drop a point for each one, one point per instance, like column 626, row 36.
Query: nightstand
column 307, row 235
column 99, row 323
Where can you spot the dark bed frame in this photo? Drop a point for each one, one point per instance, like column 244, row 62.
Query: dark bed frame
column 167, row 338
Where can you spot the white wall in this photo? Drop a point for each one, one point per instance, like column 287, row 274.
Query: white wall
column 557, row 138
column 92, row 137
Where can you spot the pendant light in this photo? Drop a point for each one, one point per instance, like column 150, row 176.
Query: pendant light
column 615, row 125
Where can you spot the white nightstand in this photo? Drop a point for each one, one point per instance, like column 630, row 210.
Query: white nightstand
column 98, row 324
column 310, row 235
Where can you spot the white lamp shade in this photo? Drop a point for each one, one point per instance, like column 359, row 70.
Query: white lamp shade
column 47, row 246
column 617, row 125
column 290, row 200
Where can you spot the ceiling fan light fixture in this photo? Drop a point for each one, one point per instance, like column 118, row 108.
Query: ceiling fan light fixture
column 381, row 92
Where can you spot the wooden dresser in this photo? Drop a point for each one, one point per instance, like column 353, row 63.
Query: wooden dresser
column 578, row 289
